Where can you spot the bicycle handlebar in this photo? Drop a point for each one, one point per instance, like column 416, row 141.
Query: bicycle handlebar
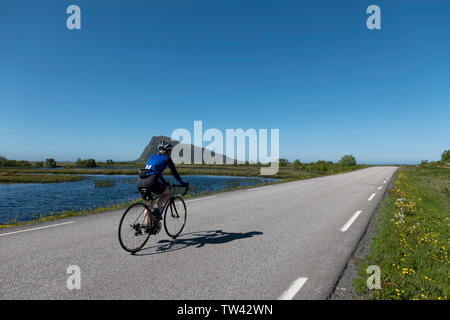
column 186, row 187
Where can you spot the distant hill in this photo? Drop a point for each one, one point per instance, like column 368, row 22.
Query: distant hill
column 152, row 148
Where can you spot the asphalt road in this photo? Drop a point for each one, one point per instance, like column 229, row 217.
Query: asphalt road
column 288, row 241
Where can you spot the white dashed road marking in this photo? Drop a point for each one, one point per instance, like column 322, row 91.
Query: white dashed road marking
column 349, row 222
column 293, row 289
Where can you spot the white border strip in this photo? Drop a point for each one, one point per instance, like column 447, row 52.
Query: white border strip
column 260, row 188
column 371, row 197
column 293, row 289
column 200, row 199
column 53, row 225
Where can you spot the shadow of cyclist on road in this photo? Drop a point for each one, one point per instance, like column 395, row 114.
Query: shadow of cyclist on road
column 199, row 239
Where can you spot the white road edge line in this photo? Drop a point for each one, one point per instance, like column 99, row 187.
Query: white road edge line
column 53, row 225
column 200, row 199
column 371, row 197
column 380, row 187
column 259, row 188
column 384, row 181
column 349, row 222
column 293, row 289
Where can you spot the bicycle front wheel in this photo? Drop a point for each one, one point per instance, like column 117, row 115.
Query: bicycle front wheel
column 175, row 217
column 132, row 235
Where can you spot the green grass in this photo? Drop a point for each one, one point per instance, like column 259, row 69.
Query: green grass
column 412, row 242
column 11, row 177
column 104, row 183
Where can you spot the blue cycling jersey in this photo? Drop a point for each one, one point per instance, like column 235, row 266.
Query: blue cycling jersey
column 158, row 163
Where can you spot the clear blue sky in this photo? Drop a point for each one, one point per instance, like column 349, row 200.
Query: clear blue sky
column 143, row 68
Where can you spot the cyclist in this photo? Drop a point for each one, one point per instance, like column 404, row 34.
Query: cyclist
column 152, row 179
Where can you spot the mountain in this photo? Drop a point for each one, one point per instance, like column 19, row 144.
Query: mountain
column 152, row 148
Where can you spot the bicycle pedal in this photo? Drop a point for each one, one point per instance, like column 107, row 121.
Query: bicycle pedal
column 156, row 213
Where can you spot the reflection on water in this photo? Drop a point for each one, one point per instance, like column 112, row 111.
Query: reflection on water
column 27, row 201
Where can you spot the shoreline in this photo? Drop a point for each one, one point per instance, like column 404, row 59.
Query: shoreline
column 71, row 213
column 124, row 204
column 215, row 170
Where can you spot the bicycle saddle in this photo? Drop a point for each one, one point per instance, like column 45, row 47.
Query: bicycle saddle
column 146, row 193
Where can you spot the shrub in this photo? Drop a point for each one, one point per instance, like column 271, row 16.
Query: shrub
column 320, row 165
column 283, row 162
column 90, row 163
column 50, row 163
column 445, row 156
column 297, row 165
column 39, row 164
column 348, row 160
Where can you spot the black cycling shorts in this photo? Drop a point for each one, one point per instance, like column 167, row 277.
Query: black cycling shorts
column 152, row 183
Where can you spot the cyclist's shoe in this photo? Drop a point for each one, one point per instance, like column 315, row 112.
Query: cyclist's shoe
column 157, row 213
column 154, row 227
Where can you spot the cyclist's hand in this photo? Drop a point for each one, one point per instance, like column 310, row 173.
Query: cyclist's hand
column 186, row 186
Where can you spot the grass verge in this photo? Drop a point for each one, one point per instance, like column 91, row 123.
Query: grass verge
column 227, row 170
column 10, row 177
column 412, row 239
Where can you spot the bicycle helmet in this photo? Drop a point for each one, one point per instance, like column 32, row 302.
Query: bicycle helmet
column 164, row 147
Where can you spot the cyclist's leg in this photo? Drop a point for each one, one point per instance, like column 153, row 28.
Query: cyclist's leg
column 162, row 190
column 163, row 198
column 147, row 183
column 147, row 214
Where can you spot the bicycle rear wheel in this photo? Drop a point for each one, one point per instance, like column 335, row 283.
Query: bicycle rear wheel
column 175, row 217
column 132, row 235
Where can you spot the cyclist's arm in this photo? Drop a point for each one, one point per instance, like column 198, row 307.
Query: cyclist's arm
column 174, row 171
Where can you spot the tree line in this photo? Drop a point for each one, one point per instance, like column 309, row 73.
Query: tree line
column 48, row 163
column 347, row 161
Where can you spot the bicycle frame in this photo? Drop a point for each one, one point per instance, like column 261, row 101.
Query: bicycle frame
column 151, row 202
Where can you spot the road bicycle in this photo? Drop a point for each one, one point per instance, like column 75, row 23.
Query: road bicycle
column 134, row 229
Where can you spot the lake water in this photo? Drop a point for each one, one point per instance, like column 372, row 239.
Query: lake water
column 27, row 200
